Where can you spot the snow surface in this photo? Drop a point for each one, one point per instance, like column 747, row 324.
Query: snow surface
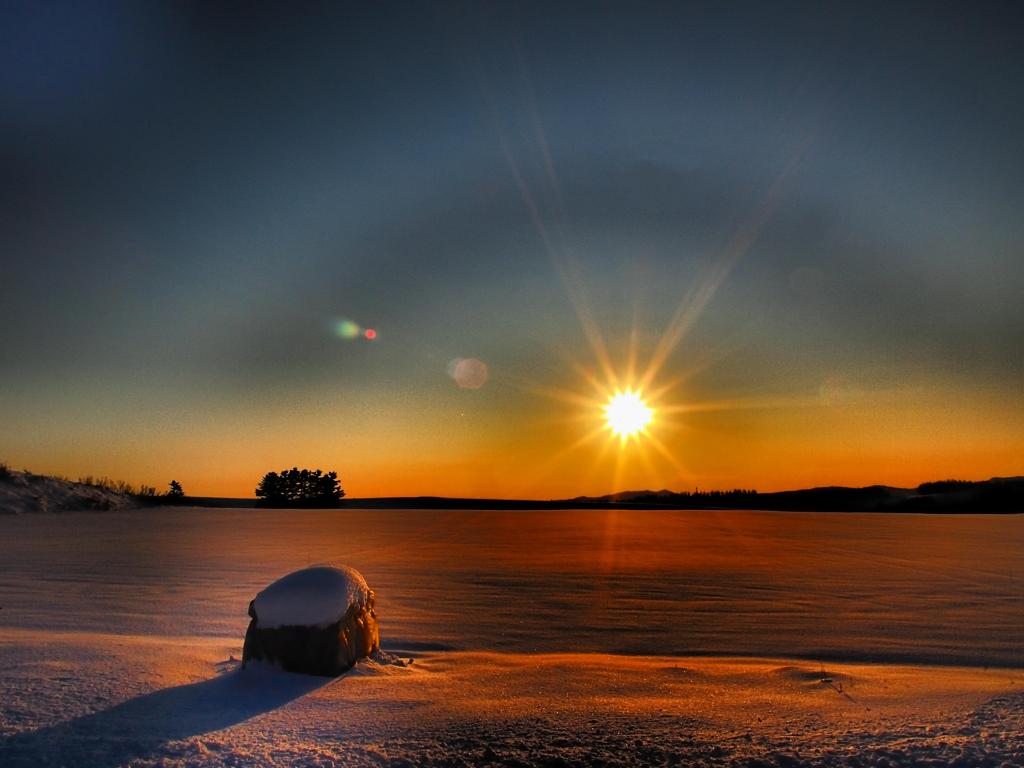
column 579, row 638
column 313, row 597
column 175, row 702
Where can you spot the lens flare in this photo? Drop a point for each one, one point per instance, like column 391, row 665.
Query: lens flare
column 627, row 414
column 468, row 372
column 347, row 329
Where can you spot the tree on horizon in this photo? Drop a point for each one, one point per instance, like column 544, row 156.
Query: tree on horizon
column 300, row 488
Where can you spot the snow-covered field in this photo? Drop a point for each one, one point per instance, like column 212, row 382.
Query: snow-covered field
column 571, row 638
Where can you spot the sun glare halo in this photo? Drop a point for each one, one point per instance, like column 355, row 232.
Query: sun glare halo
column 627, row 413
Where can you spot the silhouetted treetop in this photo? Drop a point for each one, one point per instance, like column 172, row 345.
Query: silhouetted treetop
column 946, row 486
column 300, row 488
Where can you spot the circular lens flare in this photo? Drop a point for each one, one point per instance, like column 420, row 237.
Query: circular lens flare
column 627, row 413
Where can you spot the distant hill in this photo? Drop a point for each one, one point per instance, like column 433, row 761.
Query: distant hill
column 999, row 494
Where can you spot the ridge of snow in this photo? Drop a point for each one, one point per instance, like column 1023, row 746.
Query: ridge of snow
column 25, row 493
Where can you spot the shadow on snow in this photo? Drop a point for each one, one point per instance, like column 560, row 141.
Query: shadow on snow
column 136, row 728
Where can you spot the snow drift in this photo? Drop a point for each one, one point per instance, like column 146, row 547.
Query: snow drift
column 317, row 621
column 25, row 493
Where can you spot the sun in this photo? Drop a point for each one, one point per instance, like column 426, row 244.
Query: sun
column 627, row 413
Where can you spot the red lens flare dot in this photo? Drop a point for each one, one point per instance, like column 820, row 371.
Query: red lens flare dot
column 370, row 333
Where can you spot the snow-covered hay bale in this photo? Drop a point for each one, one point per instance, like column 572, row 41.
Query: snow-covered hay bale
column 318, row 621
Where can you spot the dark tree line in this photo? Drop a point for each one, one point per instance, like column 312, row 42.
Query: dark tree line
column 737, row 495
column 300, row 488
column 946, row 486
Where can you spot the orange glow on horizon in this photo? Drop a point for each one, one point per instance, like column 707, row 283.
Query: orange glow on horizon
column 529, row 447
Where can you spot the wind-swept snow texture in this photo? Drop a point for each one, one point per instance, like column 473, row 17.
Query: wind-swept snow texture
column 97, row 701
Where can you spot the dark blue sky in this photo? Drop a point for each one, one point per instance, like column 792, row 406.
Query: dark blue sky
column 194, row 194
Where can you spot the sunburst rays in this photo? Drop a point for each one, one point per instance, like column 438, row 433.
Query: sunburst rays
column 601, row 379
